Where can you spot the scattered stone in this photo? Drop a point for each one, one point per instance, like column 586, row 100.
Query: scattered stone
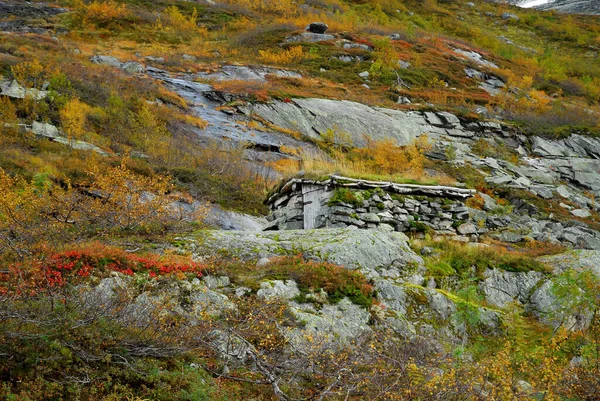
column 364, row 74
column 241, row 292
column 467, row 229
column 582, row 213
column 287, row 289
column 427, row 251
column 246, row 73
column 309, row 37
column 403, row 64
column 106, row 60
column 14, row 90
column 263, row 262
column 133, row 67
column 563, row 191
column 157, row 60
column 214, row 282
column 489, row 203
column 475, row 57
column 509, row 16
column 361, row 46
column 565, row 206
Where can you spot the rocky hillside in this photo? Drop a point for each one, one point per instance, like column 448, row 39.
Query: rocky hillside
column 141, row 140
column 563, row 6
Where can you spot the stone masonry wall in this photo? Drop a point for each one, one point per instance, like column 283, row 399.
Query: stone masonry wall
column 369, row 209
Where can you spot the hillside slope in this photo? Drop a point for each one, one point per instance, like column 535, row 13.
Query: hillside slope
column 563, row 6
column 139, row 143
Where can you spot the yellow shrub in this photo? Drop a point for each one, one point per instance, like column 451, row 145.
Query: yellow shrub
column 288, row 56
column 172, row 20
column 386, row 157
column 279, row 7
column 102, row 14
column 73, row 117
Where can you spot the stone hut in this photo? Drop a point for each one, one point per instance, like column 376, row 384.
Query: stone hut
column 338, row 202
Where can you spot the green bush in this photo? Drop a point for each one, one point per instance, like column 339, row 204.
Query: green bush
column 461, row 259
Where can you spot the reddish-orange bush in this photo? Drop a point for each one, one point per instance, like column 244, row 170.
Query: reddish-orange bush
column 96, row 259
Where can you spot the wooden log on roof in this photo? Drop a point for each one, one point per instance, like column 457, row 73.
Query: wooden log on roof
column 346, row 182
column 437, row 190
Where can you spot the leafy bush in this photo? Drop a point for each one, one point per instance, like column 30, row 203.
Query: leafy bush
column 336, row 281
column 460, row 259
column 344, row 195
column 66, row 347
column 97, row 260
column 288, row 56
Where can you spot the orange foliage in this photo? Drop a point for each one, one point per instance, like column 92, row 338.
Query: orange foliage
column 101, row 14
column 293, row 54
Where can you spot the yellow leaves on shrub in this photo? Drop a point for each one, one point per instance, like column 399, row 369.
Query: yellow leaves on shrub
column 172, row 20
column 286, row 8
column 8, row 119
column 386, row 157
column 379, row 160
column 125, row 200
column 29, row 73
column 100, row 14
column 73, row 118
column 293, row 54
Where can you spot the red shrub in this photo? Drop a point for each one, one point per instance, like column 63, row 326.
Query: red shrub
column 95, row 259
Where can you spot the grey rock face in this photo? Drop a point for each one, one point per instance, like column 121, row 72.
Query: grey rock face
column 545, row 304
column 245, row 73
column 314, row 117
column 353, row 249
column 133, row 67
column 203, row 300
column 583, row 213
column 214, row 282
column 573, row 6
column 310, row 37
column 106, row 60
column 509, row 16
column 226, row 130
column 392, row 295
column 333, row 324
column 501, row 287
column 228, row 220
column 49, row 131
column 475, row 57
column 45, row 130
column 467, row 229
column 578, row 260
column 14, row 90
column 278, row 289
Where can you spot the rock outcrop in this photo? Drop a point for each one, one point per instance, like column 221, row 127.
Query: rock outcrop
column 368, row 250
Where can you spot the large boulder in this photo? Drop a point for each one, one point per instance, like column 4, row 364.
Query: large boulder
column 502, row 287
column 368, row 250
column 351, row 121
column 578, row 260
column 317, row 27
column 106, row 60
column 331, row 325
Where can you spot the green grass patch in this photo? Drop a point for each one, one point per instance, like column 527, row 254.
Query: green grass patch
column 464, row 260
